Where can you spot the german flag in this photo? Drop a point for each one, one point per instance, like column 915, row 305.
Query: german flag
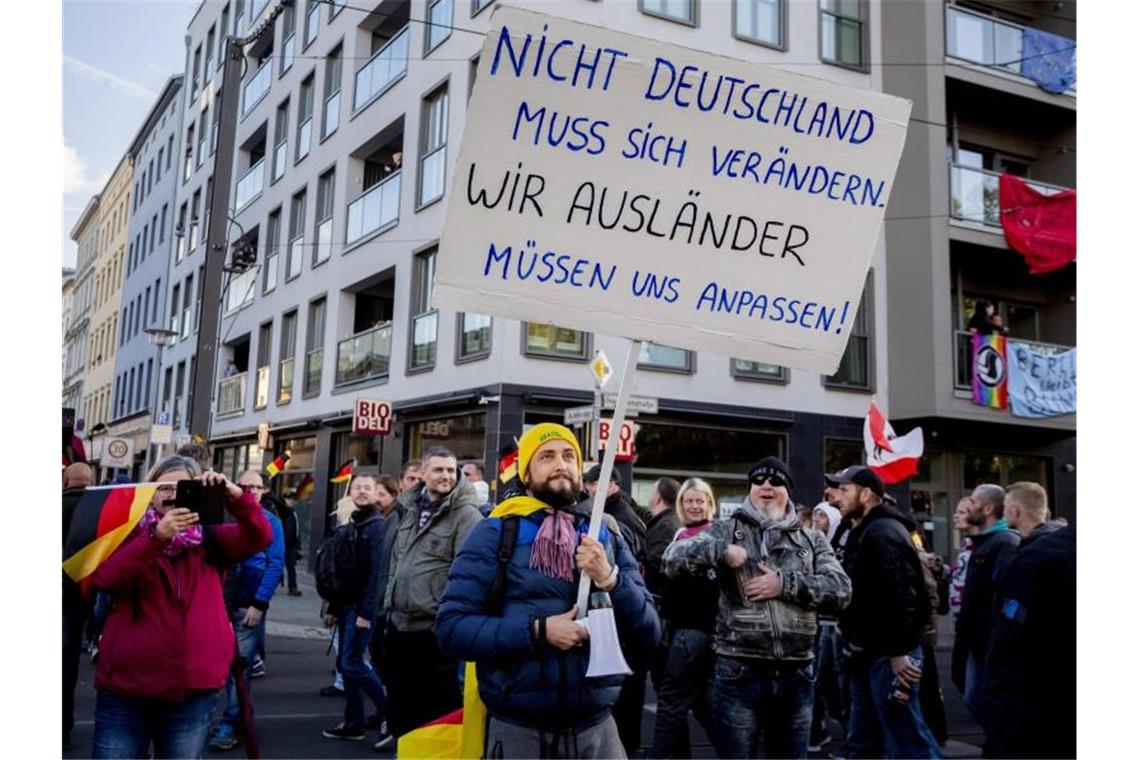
column 104, row 516
column 344, row 474
column 278, row 464
column 459, row 734
column 304, row 489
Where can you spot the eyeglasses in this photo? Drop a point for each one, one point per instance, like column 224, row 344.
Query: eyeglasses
column 775, row 480
column 253, row 488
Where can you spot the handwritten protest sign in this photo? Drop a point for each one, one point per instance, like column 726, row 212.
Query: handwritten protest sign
column 1041, row 383
column 617, row 184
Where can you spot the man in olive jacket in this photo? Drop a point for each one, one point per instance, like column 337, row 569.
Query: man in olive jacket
column 774, row 576
column 422, row 683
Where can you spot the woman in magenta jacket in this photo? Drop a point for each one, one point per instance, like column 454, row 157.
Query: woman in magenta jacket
column 167, row 645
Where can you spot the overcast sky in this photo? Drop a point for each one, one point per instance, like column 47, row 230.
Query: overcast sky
column 117, row 55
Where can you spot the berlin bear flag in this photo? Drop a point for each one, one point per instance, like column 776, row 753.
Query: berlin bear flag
column 625, row 186
column 894, row 459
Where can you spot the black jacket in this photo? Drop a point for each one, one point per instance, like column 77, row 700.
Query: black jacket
column 620, row 507
column 889, row 603
column 364, row 592
column 992, row 552
column 1041, row 530
column 659, row 531
column 73, row 601
column 1030, row 692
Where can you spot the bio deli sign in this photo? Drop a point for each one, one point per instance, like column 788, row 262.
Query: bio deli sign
column 370, row 417
column 626, row 438
column 627, row 186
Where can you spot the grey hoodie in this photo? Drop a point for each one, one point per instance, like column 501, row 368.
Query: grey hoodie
column 776, row 629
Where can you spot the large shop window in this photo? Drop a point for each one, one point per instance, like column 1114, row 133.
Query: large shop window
column 839, row 453
column 302, row 455
column 463, row 434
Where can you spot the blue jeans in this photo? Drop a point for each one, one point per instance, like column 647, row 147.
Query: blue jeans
column 126, row 726
column 359, row 676
column 974, row 682
column 877, row 726
column 246, row 646
column 684, row 685
column 750, row 696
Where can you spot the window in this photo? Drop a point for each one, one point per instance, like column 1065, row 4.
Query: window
column 162, row 227
column 169, row 151
column 424, row 318
column 744, row 369
column 855, row 368
column 195, row 75
column 209, row 54
column 280, row 140
column 157, row 290
column 684, row 11
column 239, row 8
column 335, row 7
column 264, row 346
column 180, row 234
column 552, row 341
column 439, row 23
column 179, row 382
column 187, row 300
column 174, row 302
column 332, row 86
column 325, row 193
column 314, row 348
column 198, row 303
column 839, row 454
column 474, row 336
column 153, row 232
column 841, row 33
column 296, row 236
column 215, row 123
column 223, row 27
column 305, row 119
column 285, row 366
column 188, row 168
column 433, row 146
column 312, row 22
column 150, row 176
column 288, row 37
column 657, row 356
column 478, row 5
column 272, row 248
column 202, row 134
column 195, row 202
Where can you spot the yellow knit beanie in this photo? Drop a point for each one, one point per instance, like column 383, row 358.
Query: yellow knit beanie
column 532, row 439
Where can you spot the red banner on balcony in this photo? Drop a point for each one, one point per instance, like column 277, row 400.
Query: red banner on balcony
column 1042, row 228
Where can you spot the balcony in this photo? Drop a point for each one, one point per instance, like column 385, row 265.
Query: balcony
column 364, row 356
column 249, row 186
column 382, row 70
column 963, row 357
column 974, row 195
column 261, row 390
column 986, row 41
column 376, row 209
column 257, row 87
column 231, row 395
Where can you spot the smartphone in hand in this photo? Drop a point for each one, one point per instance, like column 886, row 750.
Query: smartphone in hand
column 208, row 501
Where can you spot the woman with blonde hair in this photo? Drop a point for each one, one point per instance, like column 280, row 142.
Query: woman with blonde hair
column 689, row 609
column 167, row 645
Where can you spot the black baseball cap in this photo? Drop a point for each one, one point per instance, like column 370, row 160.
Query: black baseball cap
column 594, row 474
column 860, row 476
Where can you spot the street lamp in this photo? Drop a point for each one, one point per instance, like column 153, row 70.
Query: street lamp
column 161, row 337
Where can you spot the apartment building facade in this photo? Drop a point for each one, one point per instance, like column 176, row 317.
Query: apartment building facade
column 349, row 124
column 86, row 234
column 150, row 240
column 975, row 117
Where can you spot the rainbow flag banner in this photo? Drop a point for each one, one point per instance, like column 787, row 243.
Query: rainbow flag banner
column 459, row 734
column 990, row 371
column 104, row 516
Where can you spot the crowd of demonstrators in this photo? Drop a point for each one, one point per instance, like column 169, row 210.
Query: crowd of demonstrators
column 166, row 582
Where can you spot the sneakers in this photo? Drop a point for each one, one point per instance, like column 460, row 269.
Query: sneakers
column 294, row 592
column 816, row 744
column 332, row 691
column 257, row 669
column 342, row 731
column 386, row 741
column 224, row 737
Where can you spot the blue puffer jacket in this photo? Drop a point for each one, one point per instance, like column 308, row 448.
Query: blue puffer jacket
column 522, row 682
column 253, row 581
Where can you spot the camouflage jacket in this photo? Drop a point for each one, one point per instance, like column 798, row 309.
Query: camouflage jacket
column 775, row 629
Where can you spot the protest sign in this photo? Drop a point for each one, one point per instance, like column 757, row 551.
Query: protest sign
column 631, row 187
column 1042, row 383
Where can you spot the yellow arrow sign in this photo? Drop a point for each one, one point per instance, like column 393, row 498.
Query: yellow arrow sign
column 601, row 368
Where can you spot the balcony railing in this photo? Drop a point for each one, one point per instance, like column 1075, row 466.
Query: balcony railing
column 257, row 87
column 985, row 40
column 974, row 194
column 314, row 360
column 261, row 390
column 377, row 208
column 250, row 185
column 364, row 355
column 389, row 64
column 964, row 359
column 231, row 395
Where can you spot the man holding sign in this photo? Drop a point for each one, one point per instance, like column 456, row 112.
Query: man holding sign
column 509, row 606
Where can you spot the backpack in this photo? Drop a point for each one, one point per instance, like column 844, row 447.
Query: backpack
column 338, row 565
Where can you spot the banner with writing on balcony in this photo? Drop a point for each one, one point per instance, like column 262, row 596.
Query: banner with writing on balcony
column 630, row 187
column 1042, row 380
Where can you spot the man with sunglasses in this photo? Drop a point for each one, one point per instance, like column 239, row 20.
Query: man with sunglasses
column 774, row 577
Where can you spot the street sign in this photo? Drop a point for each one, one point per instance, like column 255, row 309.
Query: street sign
column 119, row 452
column 576, row 415
column 164, row 418
column 371, row 417
column 601, row 368
column 161, row 434
column 635, row 405
column 626, row 438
